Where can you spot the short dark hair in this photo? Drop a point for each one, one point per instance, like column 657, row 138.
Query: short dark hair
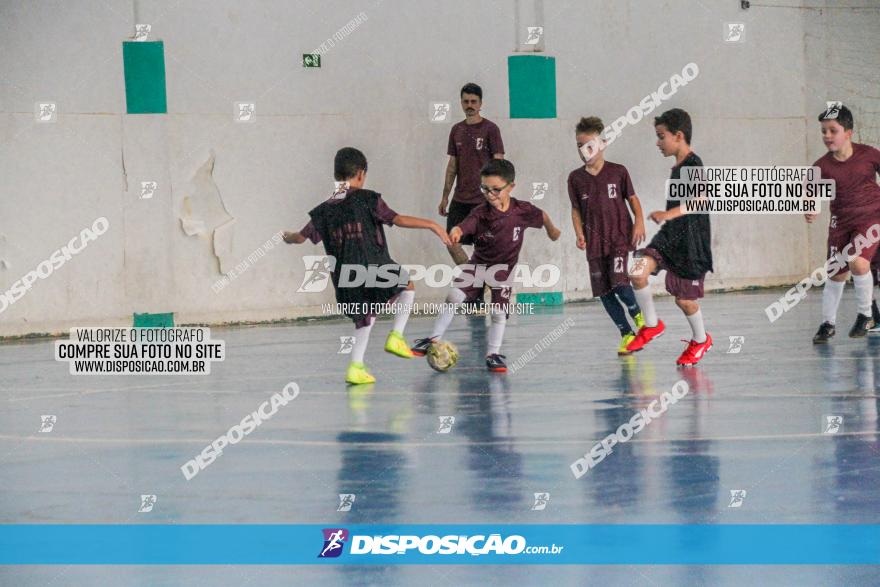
column 471, row 88
column 844, row 117
column 348, row 162
column 499, row 167
column 676, row 120
column 590, row 125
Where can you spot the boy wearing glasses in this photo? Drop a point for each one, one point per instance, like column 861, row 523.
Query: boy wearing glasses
column 497, row 228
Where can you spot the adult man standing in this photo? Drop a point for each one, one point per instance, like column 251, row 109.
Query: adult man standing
column 472, row 142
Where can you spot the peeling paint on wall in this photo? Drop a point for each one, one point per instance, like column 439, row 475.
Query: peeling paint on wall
column 4, row 252
column 204, row 214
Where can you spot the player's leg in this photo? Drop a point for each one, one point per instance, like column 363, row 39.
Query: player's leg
column 623, row 291
column 457, row 212
column 832, row 291
column 863, row 282
column 498, row 314
column 403, row 303
column 643, row 267
column 444, row 318
column 617, row 314
column 647, row 262
column 357, row 371
column 860, row 268
column 600, row 282
column 627, row 297
column 701, row 341
column 875, row 311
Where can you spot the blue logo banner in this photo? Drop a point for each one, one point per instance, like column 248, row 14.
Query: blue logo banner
column 661, row 544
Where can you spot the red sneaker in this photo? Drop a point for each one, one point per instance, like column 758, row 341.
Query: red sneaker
column 645, row 335
column 694, row 352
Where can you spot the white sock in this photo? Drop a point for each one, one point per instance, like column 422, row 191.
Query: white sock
column 864, row 285
column 831, row 294
column 404, row 303
column 646, row 303
column 361, row 338
column 496, row 332
column 697, row 327
column 447, row 313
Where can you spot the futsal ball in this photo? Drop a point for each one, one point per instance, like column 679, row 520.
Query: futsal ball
column 442, row 355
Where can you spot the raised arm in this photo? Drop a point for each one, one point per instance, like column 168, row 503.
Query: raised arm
column 416, row 222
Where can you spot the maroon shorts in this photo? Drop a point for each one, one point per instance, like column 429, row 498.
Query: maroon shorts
column 842, row 234
column 367, row 319
column 500, row 295
column 608, row 272
column 681, row 288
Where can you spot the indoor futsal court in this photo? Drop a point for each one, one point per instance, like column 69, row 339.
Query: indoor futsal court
column 508, row 292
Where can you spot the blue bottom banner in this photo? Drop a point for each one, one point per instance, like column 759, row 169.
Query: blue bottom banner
column 270, row 544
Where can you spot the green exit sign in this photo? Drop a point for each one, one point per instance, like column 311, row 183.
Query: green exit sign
column 311, row 60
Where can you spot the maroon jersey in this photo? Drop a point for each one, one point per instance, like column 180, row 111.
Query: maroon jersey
column 382, row 214
column 602, row 203
column 472, row 145
column 498, row 236
column 857, row 193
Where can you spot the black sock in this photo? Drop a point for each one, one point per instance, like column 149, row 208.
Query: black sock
column 626, row 295
column 615, row 310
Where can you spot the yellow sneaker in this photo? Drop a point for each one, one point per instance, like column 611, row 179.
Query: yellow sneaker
column 357, row 374
column 639, row 320
column 397, row 345
column 627, row 338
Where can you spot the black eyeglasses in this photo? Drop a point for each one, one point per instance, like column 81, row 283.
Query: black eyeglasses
column 486, row 189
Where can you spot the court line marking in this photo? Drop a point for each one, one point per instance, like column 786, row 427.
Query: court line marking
column 402, row 393
column 584, row 442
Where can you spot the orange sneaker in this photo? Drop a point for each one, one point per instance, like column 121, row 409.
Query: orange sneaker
column 645, row 335
column 694, row 352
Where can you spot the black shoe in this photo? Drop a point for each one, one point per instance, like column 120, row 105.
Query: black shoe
column 826, row 331
column 495, row 363
column 861, row 327
column 875, row 312
column 421, row 346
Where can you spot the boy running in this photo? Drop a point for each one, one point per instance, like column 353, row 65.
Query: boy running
column 682, row 247
column 350, row 226
column 599, row 192
column 855, row 208
column 497, row 228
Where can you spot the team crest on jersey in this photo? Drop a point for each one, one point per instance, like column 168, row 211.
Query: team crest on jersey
column 516, row 231
column 612, row 190
column 479, row 143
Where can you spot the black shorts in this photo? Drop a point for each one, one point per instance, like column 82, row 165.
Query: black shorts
column 458, row 211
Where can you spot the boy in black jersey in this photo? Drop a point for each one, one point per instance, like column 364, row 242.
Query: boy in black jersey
column 350, row 226
column 682, row 248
